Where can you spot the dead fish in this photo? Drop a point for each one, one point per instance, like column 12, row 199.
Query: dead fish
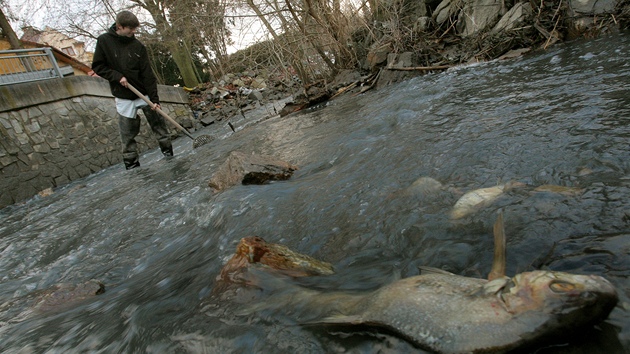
column 479, row 198
column 448, row 313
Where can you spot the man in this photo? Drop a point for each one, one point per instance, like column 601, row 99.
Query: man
column 122, row 59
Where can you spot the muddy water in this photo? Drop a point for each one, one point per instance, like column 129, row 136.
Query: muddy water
column 157, row 237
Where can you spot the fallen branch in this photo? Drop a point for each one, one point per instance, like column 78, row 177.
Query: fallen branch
column 553, row 31
column 411, row 68
column 344, row 89
column 374, row 80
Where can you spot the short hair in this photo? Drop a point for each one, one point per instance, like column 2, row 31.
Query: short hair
column 127, row 19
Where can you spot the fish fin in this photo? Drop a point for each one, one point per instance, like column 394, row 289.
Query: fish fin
column 431, row 270
column 498, row 262
column 494, row 286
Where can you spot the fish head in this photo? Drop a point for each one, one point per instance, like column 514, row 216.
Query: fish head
column 559, row 299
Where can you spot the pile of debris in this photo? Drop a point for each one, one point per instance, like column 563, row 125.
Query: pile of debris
column 236, row 94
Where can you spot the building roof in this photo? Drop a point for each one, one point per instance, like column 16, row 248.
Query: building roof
column 60, row 56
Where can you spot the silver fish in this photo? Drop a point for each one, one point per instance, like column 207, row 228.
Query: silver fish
column 448, row 313
column 477, row 199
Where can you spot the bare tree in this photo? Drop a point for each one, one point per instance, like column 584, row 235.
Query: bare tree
column 7, row 30
column 184, row 25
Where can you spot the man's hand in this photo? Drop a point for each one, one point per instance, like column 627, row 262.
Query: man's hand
column 156, row 106
column 123, row 81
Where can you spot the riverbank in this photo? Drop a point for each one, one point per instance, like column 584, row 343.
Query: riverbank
column 446, row 38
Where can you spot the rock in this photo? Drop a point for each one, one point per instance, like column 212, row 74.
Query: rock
column 592, row 7
column 345, row 78
column 423, row 187
column 206, row 120
column 378, row 55
column 403, row 60
column 255, row 95
column 291, row 107
column 258, row 83
column 62, row 296
column 515, row 17
column 421, row 24
column 46, row 192
column 312, row 94
column 477, row 15
column 250, row 169
column 514, row 53
column 442, row 12
column 238, row 82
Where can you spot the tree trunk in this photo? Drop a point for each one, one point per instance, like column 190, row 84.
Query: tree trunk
column 184, row 63
column 7, row 30
column 181, row 56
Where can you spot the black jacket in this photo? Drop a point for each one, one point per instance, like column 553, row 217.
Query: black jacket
column 117, row 56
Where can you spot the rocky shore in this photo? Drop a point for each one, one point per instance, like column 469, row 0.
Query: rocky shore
column 455, row 32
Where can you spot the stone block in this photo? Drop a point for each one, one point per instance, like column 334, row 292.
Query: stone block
column 72, row 174
column 42, row 148
column 73, row 162
column 6, row 161
column 35, row 159
column 52, row 142
column 25, row 191
column 9, row 146
column 24, row 158
column 17, row 126
column 4, row 120
column 29, row 175
column 22, row 138
column 50, row 170
column 61, row 180
column 83, row 170
column 37, row 138
column 24, row 115
column 6, row 199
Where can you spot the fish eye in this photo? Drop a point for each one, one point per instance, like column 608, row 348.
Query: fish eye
column 561, row 286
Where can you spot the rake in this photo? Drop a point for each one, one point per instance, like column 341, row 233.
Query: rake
column 198, row 141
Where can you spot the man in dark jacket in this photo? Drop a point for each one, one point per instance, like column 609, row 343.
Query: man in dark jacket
column 122, row 59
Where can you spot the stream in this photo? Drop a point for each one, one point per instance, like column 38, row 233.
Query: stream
column 157, row 236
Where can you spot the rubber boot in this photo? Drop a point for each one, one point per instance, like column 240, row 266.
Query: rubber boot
column 158, row 125
column 129, row 129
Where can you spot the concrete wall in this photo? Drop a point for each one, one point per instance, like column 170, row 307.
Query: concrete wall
column 55, row 131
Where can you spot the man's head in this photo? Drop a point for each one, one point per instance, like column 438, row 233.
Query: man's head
column 126, row 23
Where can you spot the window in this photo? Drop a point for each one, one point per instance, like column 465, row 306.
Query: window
column 69, row 51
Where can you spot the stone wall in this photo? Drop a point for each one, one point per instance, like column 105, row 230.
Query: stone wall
column 55, row 131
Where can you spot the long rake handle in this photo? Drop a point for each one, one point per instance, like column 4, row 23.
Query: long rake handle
column 159, row 110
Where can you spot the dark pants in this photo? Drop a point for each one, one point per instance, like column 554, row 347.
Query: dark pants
column 129, row 129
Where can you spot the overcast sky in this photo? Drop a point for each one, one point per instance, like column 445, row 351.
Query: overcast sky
column 32, row 12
